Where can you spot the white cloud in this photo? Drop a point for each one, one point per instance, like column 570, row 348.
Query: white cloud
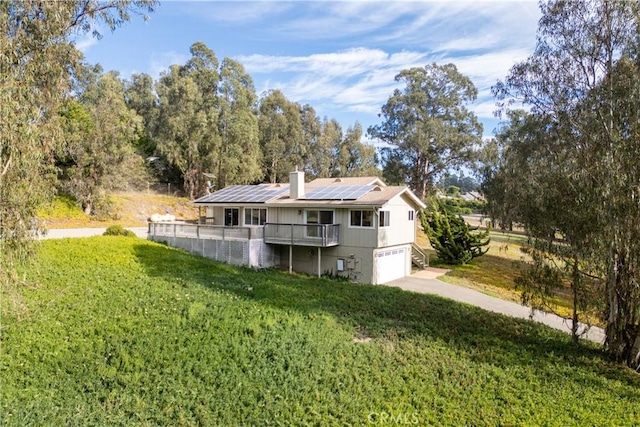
column 160, row 62
column 83, row 41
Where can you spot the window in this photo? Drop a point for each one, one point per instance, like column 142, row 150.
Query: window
column 319, row 217
column 361, row 219
column 255, row 216
column 231, row 217
column 411, row 214
column 384, row 218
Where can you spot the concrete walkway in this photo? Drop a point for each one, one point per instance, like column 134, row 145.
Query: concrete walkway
column 60, row 233
column 426, row 282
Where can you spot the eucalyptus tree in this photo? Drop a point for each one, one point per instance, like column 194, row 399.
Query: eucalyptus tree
column 36, row 63
column 394, row 167
column 318, row 152
column 239, row 159
column 141, row 97
column 321, row 159
column 580, row 82
column 281, row 136
column 354, row 158
column 189, row 117
column 100, row 133
column 428, row 124
column 531, row 182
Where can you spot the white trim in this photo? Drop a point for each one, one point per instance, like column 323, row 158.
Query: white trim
column 244, row 216
column 387, row 215
column 363, row 227
column 333, row 213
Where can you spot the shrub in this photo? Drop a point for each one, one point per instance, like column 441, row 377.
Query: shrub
column 451, row 236
column 118, row 230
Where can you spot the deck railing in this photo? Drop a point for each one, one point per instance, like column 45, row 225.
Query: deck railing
column 199, row 231
column 319, row 235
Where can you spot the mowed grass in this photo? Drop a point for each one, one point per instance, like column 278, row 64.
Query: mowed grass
column 121, row 331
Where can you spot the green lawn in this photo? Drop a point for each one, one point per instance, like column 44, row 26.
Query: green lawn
column 121, row 331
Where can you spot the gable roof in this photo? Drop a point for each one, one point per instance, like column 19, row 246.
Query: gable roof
column 356, row 192
column 351, row 180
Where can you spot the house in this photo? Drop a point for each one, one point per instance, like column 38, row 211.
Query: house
column 358, row 228
column 472, row 196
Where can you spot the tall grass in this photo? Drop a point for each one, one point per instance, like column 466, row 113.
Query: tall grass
column 129, row 332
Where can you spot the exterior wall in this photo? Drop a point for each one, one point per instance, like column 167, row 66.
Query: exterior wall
column 400, row 231
column 285, row 215
column 216, row 212
column 361, row 237
column 358, row 261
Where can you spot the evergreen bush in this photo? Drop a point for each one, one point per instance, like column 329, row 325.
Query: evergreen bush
column 118, row 230
column 451, row 237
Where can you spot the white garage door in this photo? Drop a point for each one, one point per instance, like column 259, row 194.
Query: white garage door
column 391, row 265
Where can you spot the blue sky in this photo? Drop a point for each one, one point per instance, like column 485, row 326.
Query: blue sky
column 339, row 57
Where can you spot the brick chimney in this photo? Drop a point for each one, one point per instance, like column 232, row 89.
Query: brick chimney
column 296, row 184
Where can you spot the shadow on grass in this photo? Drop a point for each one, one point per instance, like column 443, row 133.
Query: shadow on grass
column 388, row 313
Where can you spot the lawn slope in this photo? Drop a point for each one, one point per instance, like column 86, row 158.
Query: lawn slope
column 124, row 331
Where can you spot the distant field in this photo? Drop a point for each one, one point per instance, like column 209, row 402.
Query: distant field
column 122, row 331
column 494, row 272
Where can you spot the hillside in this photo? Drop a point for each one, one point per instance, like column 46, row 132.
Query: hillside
column 127, row 209
column 123, row 331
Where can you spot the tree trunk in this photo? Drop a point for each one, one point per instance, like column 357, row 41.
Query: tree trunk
column 575, row 286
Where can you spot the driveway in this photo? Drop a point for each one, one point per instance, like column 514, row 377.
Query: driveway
column 426, row 282
column 60, row 233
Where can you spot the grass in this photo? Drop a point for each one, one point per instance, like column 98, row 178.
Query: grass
column 121, row 331
column 494, row 272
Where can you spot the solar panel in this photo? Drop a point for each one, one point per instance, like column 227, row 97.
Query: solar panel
column 339, row 192
column 244, row 194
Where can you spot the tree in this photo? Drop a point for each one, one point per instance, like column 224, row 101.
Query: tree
column 140, row 96
column 36, row 64
column 322, row 159
column 352, row 157
column 395, row 168
column 239, row 160
column 451, row 237
column 428, row 124
column 281, row 136
column 100, row 132
column 581, row 86
column 189, row 117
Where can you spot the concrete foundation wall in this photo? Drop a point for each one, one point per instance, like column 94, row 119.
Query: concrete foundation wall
column 254, row 253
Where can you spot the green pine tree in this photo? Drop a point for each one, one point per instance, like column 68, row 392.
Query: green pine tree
column 452, row 237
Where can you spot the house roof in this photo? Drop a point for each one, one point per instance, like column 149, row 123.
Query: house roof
column 351, row 180
column 356, row 192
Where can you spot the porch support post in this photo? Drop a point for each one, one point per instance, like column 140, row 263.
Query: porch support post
column 319, row 259
column 290, row 259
